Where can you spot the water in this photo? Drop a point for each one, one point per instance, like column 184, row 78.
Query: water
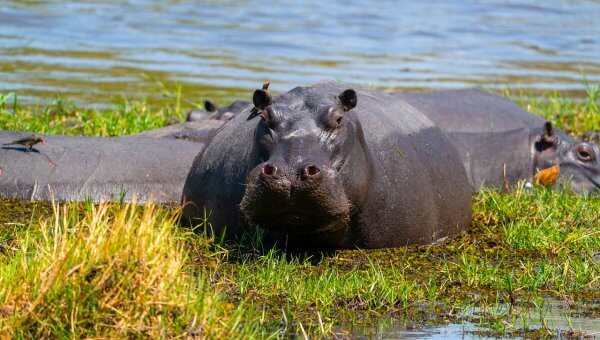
column 552, row 315
column 96, row 53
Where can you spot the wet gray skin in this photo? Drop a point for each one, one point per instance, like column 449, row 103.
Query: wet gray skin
column 201, row 131
column 498, row 141
column 112, row 168
column 318, row 170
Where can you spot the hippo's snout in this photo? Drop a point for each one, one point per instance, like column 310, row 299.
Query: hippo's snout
column 271, row 172
column 301, row 200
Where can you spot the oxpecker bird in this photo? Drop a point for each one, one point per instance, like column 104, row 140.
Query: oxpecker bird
column 28, row 141
column 261, row 99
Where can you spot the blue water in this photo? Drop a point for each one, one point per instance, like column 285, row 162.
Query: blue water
column 93, row 52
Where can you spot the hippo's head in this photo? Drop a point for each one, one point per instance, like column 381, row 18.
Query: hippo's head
column 313, row 169
column 578, row 161
column 213, row 111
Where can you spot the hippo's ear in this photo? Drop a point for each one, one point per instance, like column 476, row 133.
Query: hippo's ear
column 548, row 135
column 348, row 99
column 210, row 106
column 546, row 139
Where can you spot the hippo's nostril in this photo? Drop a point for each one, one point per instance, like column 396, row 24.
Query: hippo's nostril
column 310, row 171
column 269, row 169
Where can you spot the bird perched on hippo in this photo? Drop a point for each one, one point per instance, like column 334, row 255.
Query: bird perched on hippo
column 28, row 141
column 321, row 165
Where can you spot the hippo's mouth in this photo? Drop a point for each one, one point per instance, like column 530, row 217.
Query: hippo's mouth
column 299, row 222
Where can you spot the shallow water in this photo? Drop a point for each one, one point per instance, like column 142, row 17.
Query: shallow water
column 553, row 315
column 96, row 53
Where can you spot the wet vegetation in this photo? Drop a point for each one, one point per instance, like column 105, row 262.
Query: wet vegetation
column 89, row 270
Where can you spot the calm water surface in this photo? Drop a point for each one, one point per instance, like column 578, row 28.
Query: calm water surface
column 95, row 53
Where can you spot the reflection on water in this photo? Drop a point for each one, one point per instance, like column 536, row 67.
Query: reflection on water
column 223, row 49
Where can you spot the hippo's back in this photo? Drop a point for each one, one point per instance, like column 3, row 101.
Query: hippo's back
column 471, row 110
column 491, row 133
column 73, row 168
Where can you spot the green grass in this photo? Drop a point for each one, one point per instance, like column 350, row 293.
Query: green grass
column 61, row 116
column 115, row 270
column 87, row 270
column 573, row 116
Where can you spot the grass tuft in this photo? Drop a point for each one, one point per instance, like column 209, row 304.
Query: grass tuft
column 111, row 270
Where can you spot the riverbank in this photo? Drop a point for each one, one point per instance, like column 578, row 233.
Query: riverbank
column 528, row 266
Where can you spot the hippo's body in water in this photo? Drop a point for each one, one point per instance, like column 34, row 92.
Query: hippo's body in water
column 318, row 169
column 500, row 143
column 111, row 168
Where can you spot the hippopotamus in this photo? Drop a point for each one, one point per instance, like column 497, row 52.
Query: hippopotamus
column 500, row 143
column 213, row 111
column 328, row 165
column 73, row 168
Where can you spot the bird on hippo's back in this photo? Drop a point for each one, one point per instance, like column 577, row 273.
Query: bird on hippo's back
column 29, row 141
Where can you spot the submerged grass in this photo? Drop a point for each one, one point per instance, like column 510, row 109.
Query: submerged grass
column 115, row 270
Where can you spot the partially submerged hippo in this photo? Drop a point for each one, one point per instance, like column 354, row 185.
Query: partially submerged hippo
column 71, row 168
column 212, row 111
column 500, row 143
column 332, row 166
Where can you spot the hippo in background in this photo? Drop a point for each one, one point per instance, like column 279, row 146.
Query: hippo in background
column 501, row 144
column 200, row 126
column 325, row 165
column 212, row 111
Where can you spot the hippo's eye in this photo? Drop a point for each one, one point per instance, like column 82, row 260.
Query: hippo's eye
column 584, row 154
column 334, row 118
